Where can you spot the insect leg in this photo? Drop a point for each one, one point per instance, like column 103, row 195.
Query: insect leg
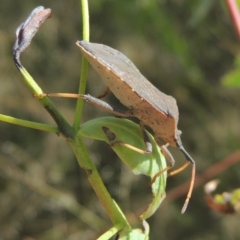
column 179, row 169
column 89, row 99
column 107, row 90
column 146, row 139
column 169, row 157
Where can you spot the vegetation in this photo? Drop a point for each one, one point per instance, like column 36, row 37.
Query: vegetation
column 188, row 49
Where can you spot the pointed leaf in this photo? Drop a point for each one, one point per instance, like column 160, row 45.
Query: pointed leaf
column 129, row 132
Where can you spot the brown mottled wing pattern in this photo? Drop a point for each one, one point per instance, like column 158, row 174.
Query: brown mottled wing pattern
column 124, row 68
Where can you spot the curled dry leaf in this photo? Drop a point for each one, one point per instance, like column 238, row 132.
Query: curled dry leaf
column 27, row 30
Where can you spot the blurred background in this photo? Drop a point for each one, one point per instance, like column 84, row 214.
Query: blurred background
column 185, row 48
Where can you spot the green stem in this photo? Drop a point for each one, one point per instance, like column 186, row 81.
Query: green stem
column 114, row 212
column 84, row 66
column 94, row 178
column 63, row 125
column 111, row 232
column 112, row 209
column 85, row 15
column 29, row 124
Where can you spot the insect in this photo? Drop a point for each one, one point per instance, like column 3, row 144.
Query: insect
column 144, row 101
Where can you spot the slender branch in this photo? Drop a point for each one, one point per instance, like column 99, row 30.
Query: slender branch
column 30, row 26
column 63, row 125
column 30, row 124
column 94, row 178
column 84, row 66
column 234, row 13
column 24, row 35
column 112, row 209
column 111, row 232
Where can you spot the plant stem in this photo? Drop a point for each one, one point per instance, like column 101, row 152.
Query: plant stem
column 70, row 133
column 114, row 212
column 84, row 66
column 29, row 124
column 111, row 232
column 234, row 13
column 94, row 178
column 63, row 125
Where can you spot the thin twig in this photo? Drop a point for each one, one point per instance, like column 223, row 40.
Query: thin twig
column 234, row 13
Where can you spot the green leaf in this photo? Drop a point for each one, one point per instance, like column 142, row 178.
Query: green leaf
column 232, row 78
column 129, row 132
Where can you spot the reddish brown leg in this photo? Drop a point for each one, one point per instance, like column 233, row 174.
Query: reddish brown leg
column 170, row 158
column 89, row 99
column 146, row 139
column 104, row 94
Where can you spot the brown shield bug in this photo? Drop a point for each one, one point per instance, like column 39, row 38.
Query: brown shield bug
column 151, row 106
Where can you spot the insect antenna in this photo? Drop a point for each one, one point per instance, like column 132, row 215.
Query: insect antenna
column 190, row 160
